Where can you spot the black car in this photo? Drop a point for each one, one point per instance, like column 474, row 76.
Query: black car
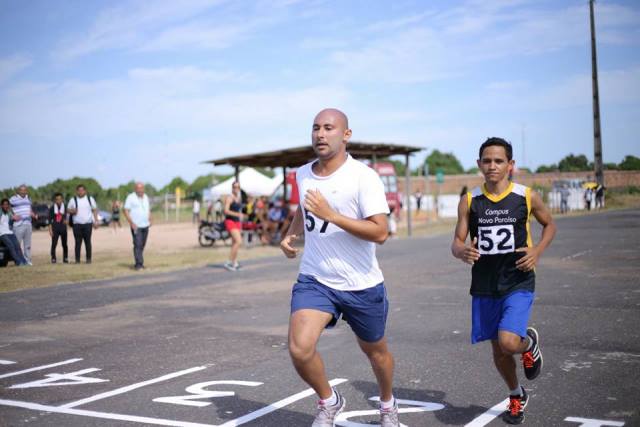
column 42, row 212
column 5, row 255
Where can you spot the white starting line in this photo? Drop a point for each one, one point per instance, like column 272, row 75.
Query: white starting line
column 200, row 397
column 39, row 368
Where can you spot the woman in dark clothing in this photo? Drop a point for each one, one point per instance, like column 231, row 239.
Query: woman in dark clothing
column 115, row 215
column 233, row 224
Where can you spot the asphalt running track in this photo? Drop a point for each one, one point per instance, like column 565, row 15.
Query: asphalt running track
column 205, row 347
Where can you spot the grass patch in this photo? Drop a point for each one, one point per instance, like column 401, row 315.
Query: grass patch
column 107, row 265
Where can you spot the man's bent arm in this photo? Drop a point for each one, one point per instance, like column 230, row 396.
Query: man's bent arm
column 372, row 229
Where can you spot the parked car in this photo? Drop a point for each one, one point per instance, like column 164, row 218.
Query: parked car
column 42, row 212
column 5, row 255
column 104, row 218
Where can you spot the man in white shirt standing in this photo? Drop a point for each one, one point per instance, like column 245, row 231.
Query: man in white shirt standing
column 22, row 216
column 84, row 215
column 196, row 211
column 343, row 214
column 138, row 213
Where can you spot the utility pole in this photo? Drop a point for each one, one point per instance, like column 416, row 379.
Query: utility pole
column 597, row 137
column 524, row 148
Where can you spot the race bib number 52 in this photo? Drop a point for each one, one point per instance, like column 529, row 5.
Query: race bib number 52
column 496, row 239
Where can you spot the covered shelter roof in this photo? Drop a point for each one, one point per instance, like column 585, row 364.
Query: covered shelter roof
column 298, row 156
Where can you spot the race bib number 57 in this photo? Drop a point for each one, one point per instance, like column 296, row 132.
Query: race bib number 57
column 496, row 239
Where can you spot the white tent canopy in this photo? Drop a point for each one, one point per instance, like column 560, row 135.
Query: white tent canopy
column 251, row 181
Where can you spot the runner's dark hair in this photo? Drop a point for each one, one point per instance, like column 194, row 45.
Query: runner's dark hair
column 498, row 142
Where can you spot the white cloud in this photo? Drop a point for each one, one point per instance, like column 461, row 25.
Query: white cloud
column 451, row 43
column 126, row 25
column 184, row 100
column 12, row 65
column 202, row 35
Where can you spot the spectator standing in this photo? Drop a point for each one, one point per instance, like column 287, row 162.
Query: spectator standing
column 22, row 215
column 84, row 215
column 217, row 207
column 564, row 199
column 115, row 215
column 6, row 234
column 588, row 196
column 196, row 212
column 600, row 196
column 138, row 212
column 58, row 228
column 418, row 196
column 209, row 210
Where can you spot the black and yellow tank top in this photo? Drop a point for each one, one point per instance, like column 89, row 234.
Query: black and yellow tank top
column 501, row 224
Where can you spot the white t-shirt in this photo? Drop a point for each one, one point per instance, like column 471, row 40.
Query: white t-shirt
column 4, row 223
column 139, row 209
column 85, row 209
column 331, row 255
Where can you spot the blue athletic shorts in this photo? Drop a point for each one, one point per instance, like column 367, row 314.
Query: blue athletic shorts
column 365, row 310
column 509, row 313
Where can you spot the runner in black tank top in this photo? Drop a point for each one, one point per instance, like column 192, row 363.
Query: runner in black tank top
column 500, row 225
column 233, row 224
column 496, row 216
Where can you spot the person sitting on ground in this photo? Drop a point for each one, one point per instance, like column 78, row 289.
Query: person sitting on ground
column 6, row 234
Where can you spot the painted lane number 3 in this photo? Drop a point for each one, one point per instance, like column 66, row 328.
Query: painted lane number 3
column 496, row 239
column 310, row 222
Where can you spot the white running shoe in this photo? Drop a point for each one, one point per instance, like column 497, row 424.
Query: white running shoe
column 326, row 415
column 389, row 417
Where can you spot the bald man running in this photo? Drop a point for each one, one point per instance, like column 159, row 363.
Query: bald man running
column 343, row 214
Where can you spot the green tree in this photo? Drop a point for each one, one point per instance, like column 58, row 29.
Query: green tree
column 200, row 184
column 175, row 182
column 547, row 168
column 447, row 162
column 630, row 163
column 573, row 163
column 611, row 166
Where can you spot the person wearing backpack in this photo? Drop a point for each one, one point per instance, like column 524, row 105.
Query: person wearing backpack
column 84, row 214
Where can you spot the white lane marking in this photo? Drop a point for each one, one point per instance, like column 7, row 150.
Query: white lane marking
column 590, row 422
column 39, row 368
column 56, row 380
column 131, row 387
column 490, row 415
column 6, row 362
column 576, row 255
column 279, row 404
column 418, row 406
column 104, row 415
column 198, row 392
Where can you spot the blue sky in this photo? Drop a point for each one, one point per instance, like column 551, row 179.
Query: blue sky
column 146, row 90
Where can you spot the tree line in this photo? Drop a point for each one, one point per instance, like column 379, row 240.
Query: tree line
column 104, row 196
column 437, row 161
column 449, row 164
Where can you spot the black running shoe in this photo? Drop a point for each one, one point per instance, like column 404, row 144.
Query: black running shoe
column 515, row 410
column 532, row 359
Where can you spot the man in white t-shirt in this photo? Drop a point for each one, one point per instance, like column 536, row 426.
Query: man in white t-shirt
column 343, row 214
column 84, row 214
column 196, row 211
column 138, row 212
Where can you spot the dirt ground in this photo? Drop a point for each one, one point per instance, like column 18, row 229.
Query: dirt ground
column 163, row 238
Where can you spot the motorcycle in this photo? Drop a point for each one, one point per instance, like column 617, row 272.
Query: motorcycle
column 209, row 232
